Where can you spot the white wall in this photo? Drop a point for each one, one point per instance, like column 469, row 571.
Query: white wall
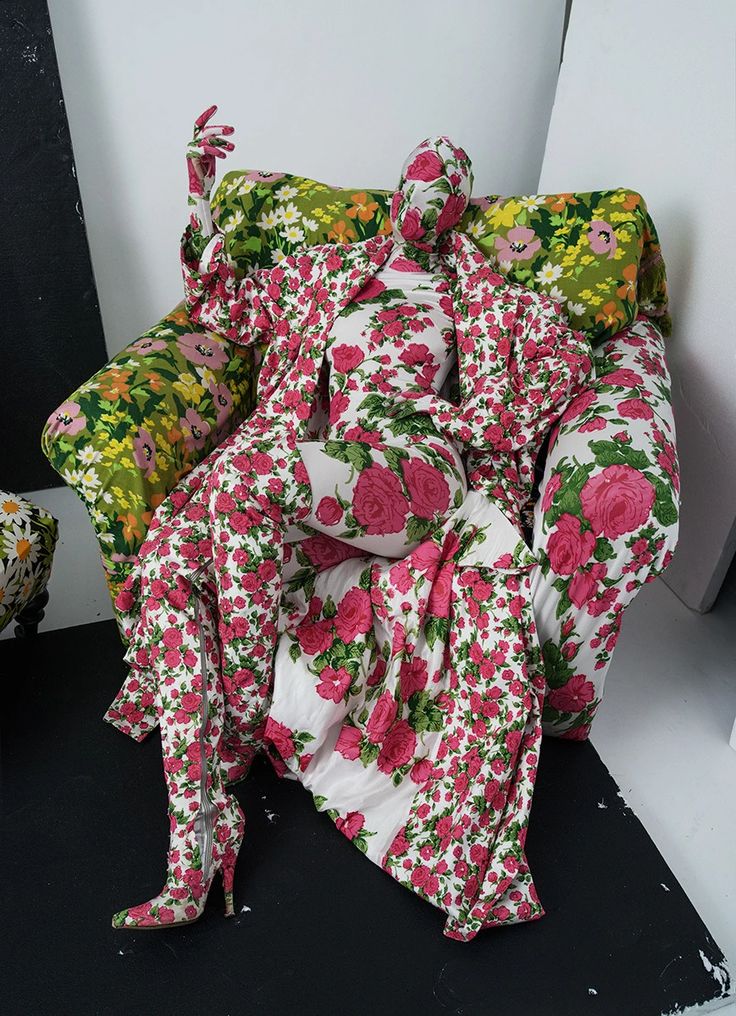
column 341, row 91
column 645, row 99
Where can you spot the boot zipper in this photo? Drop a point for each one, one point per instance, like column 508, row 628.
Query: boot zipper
column 206, row 806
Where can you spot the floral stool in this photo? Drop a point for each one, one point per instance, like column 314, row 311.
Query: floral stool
column 28, row 537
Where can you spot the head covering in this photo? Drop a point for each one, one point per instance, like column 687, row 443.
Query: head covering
column 432, row 195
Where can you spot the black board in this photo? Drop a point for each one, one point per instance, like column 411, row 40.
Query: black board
column 51, row 337
column 327, row 932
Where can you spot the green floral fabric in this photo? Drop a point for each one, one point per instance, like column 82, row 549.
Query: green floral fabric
column 597, row 253
column 124, row 439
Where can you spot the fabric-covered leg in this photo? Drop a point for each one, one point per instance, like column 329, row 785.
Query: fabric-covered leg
column 206, row 823
column 605, row 523
column 255, row 494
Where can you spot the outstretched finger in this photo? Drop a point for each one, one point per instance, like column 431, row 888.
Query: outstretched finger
column 208, row 132
column 206, row 143
column 218, row 152
column 204, row 117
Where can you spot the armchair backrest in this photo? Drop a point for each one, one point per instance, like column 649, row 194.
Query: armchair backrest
column 596, row 252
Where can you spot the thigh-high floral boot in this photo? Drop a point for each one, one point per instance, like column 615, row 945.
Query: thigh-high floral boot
column 206, row 823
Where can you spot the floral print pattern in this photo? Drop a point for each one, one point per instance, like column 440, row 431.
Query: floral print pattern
column 104, row 439
column 28, row 536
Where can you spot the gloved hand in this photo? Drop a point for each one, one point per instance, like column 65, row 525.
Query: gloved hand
column 208, row 144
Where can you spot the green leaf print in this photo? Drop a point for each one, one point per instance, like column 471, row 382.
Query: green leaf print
column 436, row 629
column 558, row 671
column 369, row 753
column 424, row 714
column 359, row 455
column 664, row 508
column 603, row 550
column 611, row 453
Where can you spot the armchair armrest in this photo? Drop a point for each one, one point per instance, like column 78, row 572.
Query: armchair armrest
column 125, row 438
column 606, row 520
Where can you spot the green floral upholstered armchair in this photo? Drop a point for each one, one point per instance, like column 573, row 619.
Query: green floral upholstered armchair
column 605, row 518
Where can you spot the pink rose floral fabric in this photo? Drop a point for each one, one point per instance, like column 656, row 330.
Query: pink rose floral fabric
column 344, row 582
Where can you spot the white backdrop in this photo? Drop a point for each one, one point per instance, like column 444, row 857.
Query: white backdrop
column 340, row 91
column 645, row 100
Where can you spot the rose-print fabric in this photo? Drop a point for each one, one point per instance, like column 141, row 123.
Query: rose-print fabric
column 443, row 701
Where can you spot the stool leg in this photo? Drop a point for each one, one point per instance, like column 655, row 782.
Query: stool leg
column 31, row 616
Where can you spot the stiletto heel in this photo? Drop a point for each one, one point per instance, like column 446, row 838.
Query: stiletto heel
column 228, row 876
column 184, row 895
column 206, row 822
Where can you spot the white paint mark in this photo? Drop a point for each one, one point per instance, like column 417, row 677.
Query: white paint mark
column 718, row 970
column 245, row 909
column 592, row 991
column 263, row 797
column 602, row 804
column 271, row 815
column 120, row 952
column 665, row 887
column 79, row 212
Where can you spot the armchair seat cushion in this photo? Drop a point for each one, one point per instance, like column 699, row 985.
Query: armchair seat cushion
column 28, row 537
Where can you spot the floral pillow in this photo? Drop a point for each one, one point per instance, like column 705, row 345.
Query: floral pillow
column 597, row 252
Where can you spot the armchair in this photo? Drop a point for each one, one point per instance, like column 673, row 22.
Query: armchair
column 605, row 520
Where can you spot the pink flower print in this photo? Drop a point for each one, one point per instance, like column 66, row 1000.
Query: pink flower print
column 452, row 212
column 421, row 771
column 346, row 358
column 617, row 500
column 428, row 489
column 148, row 344
column 348, row 743
column 354, row 615
column 280, row 737
column 315, row 637
column 416, row 353
column 383, row 715
column 553, row 485
column 519, row 244
column 144, row 452
column 329, row 511
column 194, row 429
column 624, row 377
column 402, row 264
column 398, row 747
column 374, row 287
column 324, row 551
column 351, row 825
column 635, row 409
column 223, row 402
column 569, row 548
column 602, row 238
column 573, row 696
column 379, row 504
column 413, row 676
column 426, row 166
column 67, row 420
column 202, row 349
column 438, row 603
column 411, row 225
column 579, row 405
column 333, row 684
column 582, row 588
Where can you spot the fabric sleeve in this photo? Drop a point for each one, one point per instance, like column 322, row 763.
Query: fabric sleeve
column 242, row 310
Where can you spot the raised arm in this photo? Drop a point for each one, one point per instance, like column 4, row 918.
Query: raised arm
column 240, row 310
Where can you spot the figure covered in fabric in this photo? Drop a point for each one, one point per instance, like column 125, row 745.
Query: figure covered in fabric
column 343, row 582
